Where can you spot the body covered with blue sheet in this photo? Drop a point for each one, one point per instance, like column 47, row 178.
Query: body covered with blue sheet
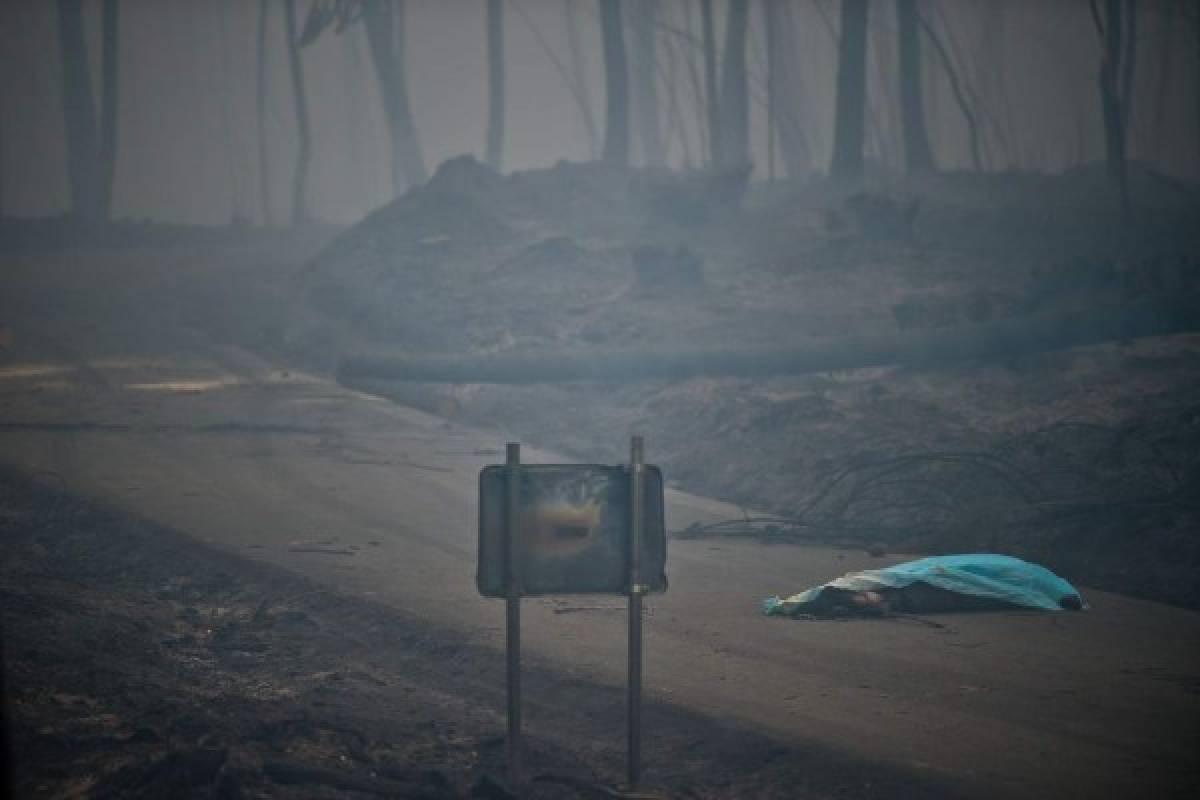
column 938, row 583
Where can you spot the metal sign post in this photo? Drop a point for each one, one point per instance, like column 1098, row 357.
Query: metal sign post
column 636, row 589
column 512, row 608
column 571, row 529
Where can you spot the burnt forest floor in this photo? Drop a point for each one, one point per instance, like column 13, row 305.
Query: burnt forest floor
column 1085, row 458
column 139, row 663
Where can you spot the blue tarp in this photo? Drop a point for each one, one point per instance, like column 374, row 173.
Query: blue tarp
column 985, row 575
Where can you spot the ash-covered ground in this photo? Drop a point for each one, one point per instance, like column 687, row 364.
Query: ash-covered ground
column 141, row 662
column 1083, row 457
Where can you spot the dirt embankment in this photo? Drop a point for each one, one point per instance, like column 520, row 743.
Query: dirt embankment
column 1084, row 458
column 141, row 664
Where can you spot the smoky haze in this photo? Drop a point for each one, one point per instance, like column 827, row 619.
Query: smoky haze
column 186, row 108
column 341, row 342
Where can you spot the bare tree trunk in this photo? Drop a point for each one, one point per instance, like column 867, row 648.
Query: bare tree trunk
column 260, row 110
column 79, row 115
column 1110, row 98
column 358, row 140
column 993, row 51
column 413, row 160
column 1162, row 79
column 384, row 20
column 579, row 76
column 674, row 124
column 1128, row 62
column 851, row 92
column 711, row 97
column 1, row 169
column 956, row 89
column 695, row 84
column 917, row 155
column 772, row 92
column 300, row 213
column 495, row 52
column 735, row 104
column 235, row 156
column 1109, row 25
column 643, row 15
column 782, row 88
column 110, row 52
column 616, row 84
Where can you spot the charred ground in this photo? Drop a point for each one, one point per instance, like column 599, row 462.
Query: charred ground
column 143, row 664
column 140, row 662
column 1082, row 457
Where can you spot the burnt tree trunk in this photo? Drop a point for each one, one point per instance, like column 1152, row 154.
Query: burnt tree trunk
column 384, row 20
column 495, row 53
column 616, row 84
column 849, row 117
column 260, row 111
column 79, row 115
column 109, row 41
column 957, row 91
column 713, row 103
column 782, row 89
column 1162, row 79
column 735, row 109
column 1110, row 27
column 1128, row 62
column 917, row 155
column 579, row 76
column 300, row 213
column 644, row 68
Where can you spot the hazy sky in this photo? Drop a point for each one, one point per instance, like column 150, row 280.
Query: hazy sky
column 187, row 129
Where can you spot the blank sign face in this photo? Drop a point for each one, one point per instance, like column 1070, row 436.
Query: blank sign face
column 575, row 530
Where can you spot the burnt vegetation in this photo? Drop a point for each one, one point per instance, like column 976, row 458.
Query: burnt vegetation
column 893, row 278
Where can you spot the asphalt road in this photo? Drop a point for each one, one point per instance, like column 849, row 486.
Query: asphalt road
column 379, row 500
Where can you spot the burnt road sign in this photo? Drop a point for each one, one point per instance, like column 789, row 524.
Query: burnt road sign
column 571, row 529
column 574, row 530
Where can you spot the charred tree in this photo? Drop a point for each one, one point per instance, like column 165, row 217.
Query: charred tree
column 735, row 106
column 687, row 55
column 616, row 84
column 1110, row 27
column 495, row 54
column 79, row 115
column 643, row 16
column 1128, row 62
column 713, row 105
column 957, row 90
column 91, row 155
column 782, row 84
column 770, row 14
column 917, row 155
column 109, row 52
column 300, row 213
column 579, row 80
column 1163, row 78
column 384, row 20
column 260, row 111
column 850, row 113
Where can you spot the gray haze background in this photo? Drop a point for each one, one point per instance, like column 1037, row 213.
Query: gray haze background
column 187, row 127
